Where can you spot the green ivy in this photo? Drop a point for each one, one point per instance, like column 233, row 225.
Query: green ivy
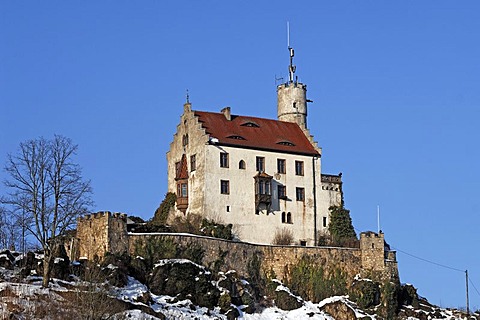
column 161, row 214
column 340, row 227
column 311, row 282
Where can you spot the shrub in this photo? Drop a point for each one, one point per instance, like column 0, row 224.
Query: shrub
column 389, row 297
column 341, row 228
column 365, row 293
column 154, row 249
column 136, row 219
column 217, row 230
column 408, row 296
column 283, row 237
column 189, row 224
column 161, row 214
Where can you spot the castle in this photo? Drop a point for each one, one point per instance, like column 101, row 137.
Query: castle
column 257, row 174
column 260, row 175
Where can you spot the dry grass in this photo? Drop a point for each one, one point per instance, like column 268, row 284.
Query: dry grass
column 283, row 237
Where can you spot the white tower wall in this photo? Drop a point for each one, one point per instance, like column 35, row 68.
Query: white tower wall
column 292, row 103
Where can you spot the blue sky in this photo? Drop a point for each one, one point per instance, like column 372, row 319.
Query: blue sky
column 395, row 87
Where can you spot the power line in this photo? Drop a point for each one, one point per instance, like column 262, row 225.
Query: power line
column 425, row 260
column 434, row 263
column 470, row 280
column 429, row 261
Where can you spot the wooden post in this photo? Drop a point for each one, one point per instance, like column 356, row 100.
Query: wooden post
column 466, row 284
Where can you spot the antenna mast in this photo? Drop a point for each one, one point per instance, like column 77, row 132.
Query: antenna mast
column 291, row 67
column 378, row 218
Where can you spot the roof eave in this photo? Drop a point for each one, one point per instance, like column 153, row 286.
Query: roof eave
column 310, row 154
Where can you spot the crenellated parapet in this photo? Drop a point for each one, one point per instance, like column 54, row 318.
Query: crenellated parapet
column 103, row 214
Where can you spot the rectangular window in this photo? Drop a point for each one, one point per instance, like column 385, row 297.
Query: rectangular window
column 281, row 166
column 260, row 164
column 300, row 194
column 267, row 187
column 193, row 162
column 184, row 190
column 299, row 168
column 224, row 187
column 282, row 192
column 264, row 187
column 224, row 160
column 324, row 222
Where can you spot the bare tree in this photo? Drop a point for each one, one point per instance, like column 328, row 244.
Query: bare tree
column 46, row 188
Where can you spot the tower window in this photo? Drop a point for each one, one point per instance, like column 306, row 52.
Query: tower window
column 224, row 187
column 281, row 168
column 300, row 194
column 284, row 217
column 299, row 168
column 260, row 164
column 224, row 160
column 324, row 222
column 289, row 217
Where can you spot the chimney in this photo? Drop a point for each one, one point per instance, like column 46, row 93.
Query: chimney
column 226, row 113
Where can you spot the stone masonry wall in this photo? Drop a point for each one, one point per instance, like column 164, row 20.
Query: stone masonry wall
column 104, row 232
column 99, row 233
column 237, row 255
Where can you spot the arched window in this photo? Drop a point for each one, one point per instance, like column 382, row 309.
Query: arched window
column 289, row 217
column 283, row 217
column 241, row 165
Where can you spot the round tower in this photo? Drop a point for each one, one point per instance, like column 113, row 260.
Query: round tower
column 292, row 98
column 292, row 103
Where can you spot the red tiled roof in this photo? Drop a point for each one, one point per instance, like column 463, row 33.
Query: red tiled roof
column 256, row 133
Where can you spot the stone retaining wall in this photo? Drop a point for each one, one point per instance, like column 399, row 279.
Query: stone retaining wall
column 237, row 255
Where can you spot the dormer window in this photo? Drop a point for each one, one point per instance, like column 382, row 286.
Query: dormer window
column 286, row 143
column 250, row 124
column 236, row 137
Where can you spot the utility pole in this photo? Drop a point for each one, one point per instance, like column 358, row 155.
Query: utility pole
column 466, row 283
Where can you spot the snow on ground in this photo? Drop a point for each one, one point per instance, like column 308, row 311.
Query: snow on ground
column 135, row 291
column 344, row 299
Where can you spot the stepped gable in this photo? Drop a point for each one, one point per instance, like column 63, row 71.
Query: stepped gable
column 256, row 133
